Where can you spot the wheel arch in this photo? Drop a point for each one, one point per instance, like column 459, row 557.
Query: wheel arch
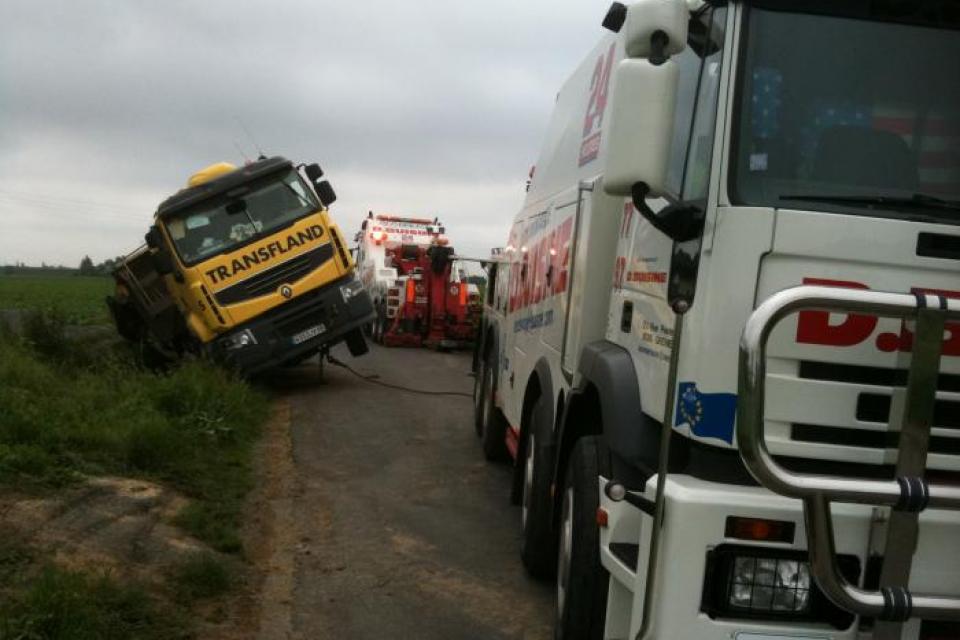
column 606, row 402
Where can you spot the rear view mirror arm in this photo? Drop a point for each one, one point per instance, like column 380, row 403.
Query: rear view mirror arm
column 679, row 221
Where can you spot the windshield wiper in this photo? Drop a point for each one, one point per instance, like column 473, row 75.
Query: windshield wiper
column 917, row 201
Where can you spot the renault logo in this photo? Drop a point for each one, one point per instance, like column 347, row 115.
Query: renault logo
column 286, row 291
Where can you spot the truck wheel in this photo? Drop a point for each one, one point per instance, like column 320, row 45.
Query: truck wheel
column 493, row 428
column 379, row 325
column 582, row 580
column 356, row 344
column 539, row 546
column 478, row 398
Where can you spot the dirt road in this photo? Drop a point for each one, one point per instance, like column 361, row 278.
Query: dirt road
column 388, row 523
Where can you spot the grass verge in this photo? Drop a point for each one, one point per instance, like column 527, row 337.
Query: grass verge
column 201, row 577
column 51, row 603
column 68, row 409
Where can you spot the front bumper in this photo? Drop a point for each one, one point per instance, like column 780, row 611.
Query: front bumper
column 297, row 329
column 694, row 526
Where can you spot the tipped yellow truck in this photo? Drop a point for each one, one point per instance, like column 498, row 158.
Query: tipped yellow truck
column 245, row 266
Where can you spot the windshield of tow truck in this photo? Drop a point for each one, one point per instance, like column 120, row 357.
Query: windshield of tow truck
column 227, row 222
column 862, row 104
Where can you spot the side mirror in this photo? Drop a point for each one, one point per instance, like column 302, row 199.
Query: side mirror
column 326, row 193
column 154, row 238
column 654, row 29
column 640, row 127
column 313, row 171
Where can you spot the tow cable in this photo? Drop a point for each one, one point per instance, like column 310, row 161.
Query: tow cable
column 373, row 378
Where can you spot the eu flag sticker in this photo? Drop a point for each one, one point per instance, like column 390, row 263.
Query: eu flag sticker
column 709, row 415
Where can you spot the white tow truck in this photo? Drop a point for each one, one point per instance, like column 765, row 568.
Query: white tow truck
column 721, row 344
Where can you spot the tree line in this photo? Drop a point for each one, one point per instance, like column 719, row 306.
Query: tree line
column 87, row 268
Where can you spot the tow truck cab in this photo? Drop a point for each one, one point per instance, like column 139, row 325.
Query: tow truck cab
column 705, row 156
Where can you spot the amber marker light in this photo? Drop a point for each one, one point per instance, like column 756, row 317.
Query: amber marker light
column 760, row 530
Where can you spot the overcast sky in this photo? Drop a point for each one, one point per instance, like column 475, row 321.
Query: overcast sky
column 425, row 107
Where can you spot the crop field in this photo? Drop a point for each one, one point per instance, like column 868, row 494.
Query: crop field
column 80, row 299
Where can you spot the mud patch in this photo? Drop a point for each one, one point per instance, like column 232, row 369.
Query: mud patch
column 114, row 524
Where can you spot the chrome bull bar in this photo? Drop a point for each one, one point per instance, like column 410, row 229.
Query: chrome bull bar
column 907, row 495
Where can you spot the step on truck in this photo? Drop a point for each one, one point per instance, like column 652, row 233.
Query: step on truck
column 245, row 266
column 722, row 345
column 418, row 285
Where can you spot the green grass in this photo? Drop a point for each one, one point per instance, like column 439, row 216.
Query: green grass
column 201, row 577
column 79, row 298
column 69, row 409
column 50, row 603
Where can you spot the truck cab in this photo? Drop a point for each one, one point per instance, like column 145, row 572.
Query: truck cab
column 419, row 287
column 704, row 158
column 256, row 267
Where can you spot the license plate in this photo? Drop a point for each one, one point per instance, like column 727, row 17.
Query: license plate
column 307, row 334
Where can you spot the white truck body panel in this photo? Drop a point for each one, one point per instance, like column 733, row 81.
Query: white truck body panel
column 613, row 260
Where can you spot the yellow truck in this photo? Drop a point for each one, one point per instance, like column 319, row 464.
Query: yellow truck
column 245, row 266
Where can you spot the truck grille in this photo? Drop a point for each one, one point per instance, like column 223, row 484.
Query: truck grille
column 309, row 312
column 270, row 280
column 850, row 420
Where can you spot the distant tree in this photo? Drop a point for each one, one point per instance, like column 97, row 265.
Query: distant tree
column 86, row 267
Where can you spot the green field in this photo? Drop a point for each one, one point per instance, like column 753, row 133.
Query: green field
column 78, row 298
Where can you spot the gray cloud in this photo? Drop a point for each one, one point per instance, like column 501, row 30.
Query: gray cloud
column 431, row 107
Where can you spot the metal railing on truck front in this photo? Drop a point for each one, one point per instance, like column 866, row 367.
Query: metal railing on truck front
column 906, row 495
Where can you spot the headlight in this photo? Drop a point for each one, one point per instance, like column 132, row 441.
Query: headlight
column 240, row 340
column 748, row 582
column 770, row 584
column 351, row 289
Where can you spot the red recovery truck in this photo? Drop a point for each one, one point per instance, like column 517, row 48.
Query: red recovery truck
column 420, row 295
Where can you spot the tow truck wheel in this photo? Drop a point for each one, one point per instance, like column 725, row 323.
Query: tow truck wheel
column 478, row 398
column 582, row 580
column 493, row 428
column 539, row 546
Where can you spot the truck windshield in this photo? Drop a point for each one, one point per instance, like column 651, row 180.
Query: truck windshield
column 250, row 212
column 851, row 113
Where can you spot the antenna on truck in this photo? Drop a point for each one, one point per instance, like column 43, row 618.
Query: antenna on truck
column 246, row 160
column 260, row 154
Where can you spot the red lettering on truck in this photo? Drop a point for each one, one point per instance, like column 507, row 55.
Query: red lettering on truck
column 814, row 327
column 549, row 254
column 592, row 121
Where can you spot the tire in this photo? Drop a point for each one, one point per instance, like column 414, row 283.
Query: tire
column 493, row 427
column 380, row 325
column 538, row 548
column 582, row 581
column 478, row 397
column 375, row 325
column 356, row 343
